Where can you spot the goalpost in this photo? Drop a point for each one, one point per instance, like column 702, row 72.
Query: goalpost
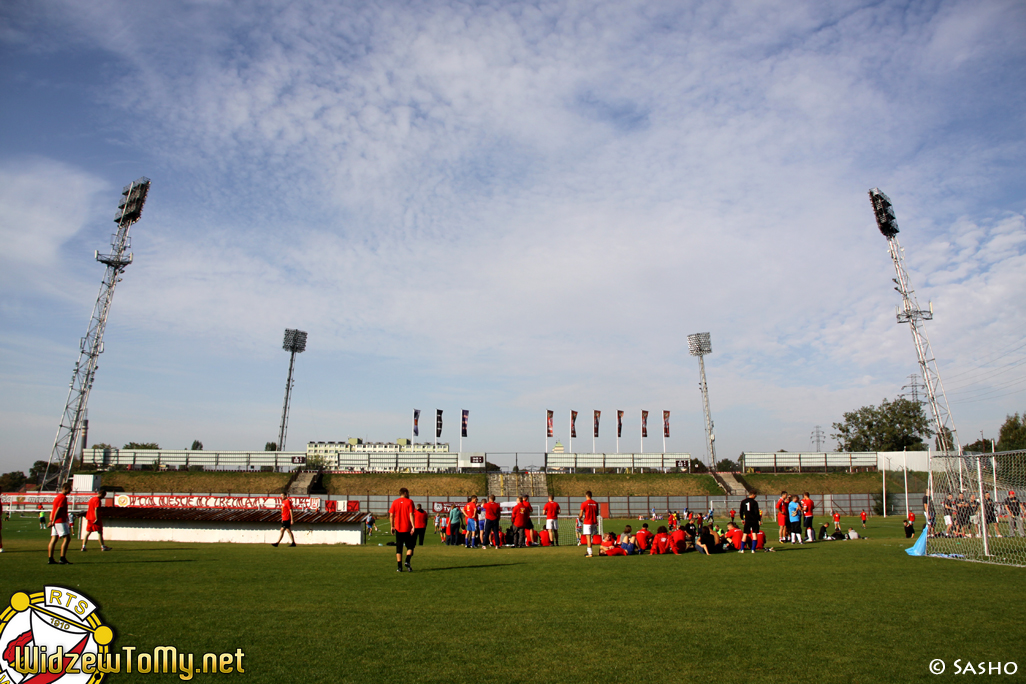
column 978, row 513
column 566, row 528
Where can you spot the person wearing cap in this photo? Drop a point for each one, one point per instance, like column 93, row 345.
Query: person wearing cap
column 1015, row 511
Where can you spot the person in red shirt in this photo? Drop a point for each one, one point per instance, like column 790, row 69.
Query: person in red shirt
column 94, row 523
column 660, row 542
column 837, row 520
column 60, row 527
column 589, row 519
column 420, row 517
column 732, row 514
column 528, row 523
column 678, row 541
column 470, row 515
column 286, row 520
column 807, row 507
column 760, row 540
column 610, row 547
column 519, row 515
column 552, row 520
column 492, row 532
column 642, row 538
column 781, row 507
column 863, row 516
column 1, row 526
column 400, row 517
column 736, row 537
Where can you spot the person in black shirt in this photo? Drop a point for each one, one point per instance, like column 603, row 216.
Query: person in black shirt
column 929, row 510
column 910, row 530
column 1015, row 511
column 751, row 516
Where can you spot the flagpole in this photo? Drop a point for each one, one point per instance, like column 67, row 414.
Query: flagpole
column 546, row 431
column 593, row 431
column 571, row 433
column 642, row 415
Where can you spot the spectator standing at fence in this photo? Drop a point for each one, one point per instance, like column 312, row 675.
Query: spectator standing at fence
column 552, row 520
column 94, row 521
column 60, row 527
column 589, row 519
column 492, row 513
column 781, row 508
column 752, row 518
column 1015, row 521
column 420, row 518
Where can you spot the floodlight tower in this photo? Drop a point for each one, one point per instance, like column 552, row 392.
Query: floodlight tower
column 91, row 346
column 699, row 345
column 910, row 313
column 295, row 343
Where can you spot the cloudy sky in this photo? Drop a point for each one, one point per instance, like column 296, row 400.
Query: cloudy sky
column 508, row 207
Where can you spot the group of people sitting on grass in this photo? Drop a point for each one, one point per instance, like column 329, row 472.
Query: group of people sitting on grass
column 705, row 539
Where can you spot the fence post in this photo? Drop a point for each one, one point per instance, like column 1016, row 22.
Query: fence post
column 799, row 464
column 774, row 464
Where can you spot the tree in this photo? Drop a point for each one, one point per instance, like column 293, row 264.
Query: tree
column 980, row 446
column 196, row 445
column 12, row 482
column 895, row 425
column 270, row 446
column 102, row 445
column 141, row 446
column 1012, row 435
column 950, row 439
column 36, row 472
column 725, row 465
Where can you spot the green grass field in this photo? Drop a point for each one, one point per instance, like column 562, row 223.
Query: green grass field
column 860, row 611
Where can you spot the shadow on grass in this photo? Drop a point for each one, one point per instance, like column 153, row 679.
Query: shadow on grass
column 125, row 562
column 469, row 567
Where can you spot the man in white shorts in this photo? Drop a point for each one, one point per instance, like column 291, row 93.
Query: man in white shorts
column 589, row 519
column 552, row 520
column 60, row 526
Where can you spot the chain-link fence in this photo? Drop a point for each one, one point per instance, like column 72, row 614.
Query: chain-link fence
column 975, row 511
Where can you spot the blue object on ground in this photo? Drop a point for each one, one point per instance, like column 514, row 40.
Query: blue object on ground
column 919, row 548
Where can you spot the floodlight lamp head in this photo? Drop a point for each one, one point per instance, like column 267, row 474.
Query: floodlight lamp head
column 699, row 344
column 884, row 211
column 132, row 201
column 295, row 341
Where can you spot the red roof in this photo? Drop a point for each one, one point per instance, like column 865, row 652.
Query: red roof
column 223, row 515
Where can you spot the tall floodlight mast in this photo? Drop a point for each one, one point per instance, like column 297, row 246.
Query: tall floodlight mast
column 90, row 347
column 295, row 343
column 910, row 313
column 699, row 345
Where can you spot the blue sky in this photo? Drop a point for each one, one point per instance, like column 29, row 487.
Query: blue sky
column 508, row 208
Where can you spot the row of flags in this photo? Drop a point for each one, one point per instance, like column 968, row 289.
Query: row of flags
column 619, row 423
column 438, row 423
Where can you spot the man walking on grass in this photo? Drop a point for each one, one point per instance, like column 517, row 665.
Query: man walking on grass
column 589, row 519
column 94, row 523
column 60, row 527
column 400, row 517
column 751, row 517
column 286, row 520
column 492, row 512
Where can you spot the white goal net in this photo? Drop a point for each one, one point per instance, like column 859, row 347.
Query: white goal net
column 974, row 508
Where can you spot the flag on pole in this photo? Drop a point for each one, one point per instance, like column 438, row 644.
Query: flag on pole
column 463, row 427
column 644, row 423
column 438, row 423
column 597, row 415
column 619, row 424
column 416, row 422
column 573, row 423
column 666, row 423
column 548, row 421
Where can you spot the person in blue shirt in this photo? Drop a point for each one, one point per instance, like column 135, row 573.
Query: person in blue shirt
column 794, row 519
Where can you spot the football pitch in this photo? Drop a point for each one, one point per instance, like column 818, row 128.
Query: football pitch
column 846, row 611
